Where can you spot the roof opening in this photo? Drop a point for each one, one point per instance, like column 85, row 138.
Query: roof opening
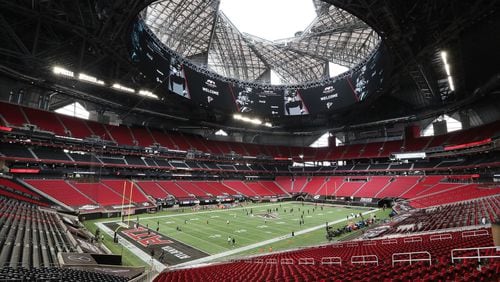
column 270, row 19
column 75, row 110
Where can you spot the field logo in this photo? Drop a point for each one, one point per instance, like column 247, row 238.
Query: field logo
column 145, row 238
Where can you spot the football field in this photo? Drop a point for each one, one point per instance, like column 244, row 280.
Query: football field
column 212, row 231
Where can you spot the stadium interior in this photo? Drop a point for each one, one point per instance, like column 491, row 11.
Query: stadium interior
column 155, row 141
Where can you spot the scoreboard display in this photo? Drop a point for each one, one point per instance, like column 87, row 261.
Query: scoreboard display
column 173, row 77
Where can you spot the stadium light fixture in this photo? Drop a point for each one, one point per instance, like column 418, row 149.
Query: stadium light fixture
column 62, row 71
column 444, row 57
column 89, row 78
column 123, row 88
column 148, row 94
column 255, row 121
column 450, row 82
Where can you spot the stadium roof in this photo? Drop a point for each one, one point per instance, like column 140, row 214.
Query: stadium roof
column 200, row 31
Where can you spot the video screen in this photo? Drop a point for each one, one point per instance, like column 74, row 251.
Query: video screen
column 335, row 96
column 370, row 77
column 266, row 102
column 177, row 79
column 153, row 62
column 293, row 103
column 209, row 91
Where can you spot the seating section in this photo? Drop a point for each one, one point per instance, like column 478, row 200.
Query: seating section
column 314, row 264
column 153, row 189
column 372, row 187
column 455, row 194
column 12, row 189
column 348, row 189
column 45, row 120
column 55, row 274
column 121, row 135
column 140, row 136
column 451, row 216
column 313, row 185
column 30, row 237
column 100, row 193
column 62, row 191
column 77, row 127
column 241, row 188
column 136, row 195
column 13, row 114
column 173, row 189
column 398, row 186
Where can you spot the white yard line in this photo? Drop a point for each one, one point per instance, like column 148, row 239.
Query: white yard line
column 259, row 244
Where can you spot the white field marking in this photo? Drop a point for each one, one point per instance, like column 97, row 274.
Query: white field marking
column 214, row 236
column 330, row 211
column 169, row 222
column 320, row 214
column 268, row 232
column 214, row 216
column 240, row 231
column 280, row 222
column 296, row 219
column 196, row 213
column 196, row 238
column 256, row 245
column 262, row 226
column 309, row 216
column 194, row 219
column 134, row 249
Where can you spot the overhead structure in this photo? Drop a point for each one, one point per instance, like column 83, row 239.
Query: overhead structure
column 197, row 30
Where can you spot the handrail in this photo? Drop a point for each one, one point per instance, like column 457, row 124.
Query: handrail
column 306, row 261
column 410, row 258
column 352, row 244
column 331, row 260
column 412, row 240
column 369, row 243
column 271, row 261
column 364, row 259
column 475, row 233
column 286, row 261
column 440, row 237
column 389, row 241
column 478, row 255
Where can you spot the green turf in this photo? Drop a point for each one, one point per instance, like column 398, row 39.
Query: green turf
column 309, row 239
column 128, row 258
column 246, row 229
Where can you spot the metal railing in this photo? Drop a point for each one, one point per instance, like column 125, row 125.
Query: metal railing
column 306, row 261
column 410, row 257
column 331, row 260
column 477, row 254
column 475, row 233
column 412, row 240
column 364, row 259
column 444, row 236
